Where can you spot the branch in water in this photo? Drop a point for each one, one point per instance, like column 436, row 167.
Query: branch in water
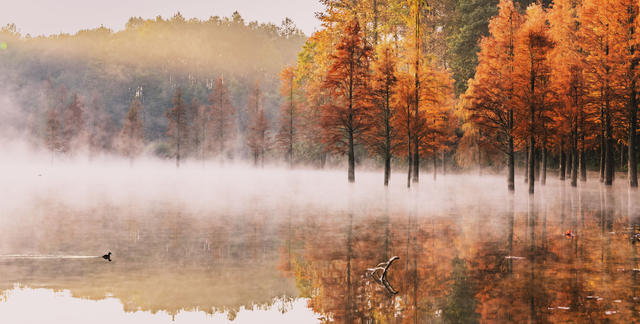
column 382, row 280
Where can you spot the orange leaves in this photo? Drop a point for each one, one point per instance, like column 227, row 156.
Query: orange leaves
column 346, row 80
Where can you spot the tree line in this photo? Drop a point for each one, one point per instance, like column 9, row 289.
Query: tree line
column 558, row 81
column 397, row 82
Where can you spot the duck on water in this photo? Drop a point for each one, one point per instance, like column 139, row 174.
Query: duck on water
column 107, row 256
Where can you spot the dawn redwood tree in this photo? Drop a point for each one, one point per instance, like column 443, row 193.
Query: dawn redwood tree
column 178, row 130
column 568, row 81
column 73, row 126
column 344, row 119
column 628, row 57
column 221, row 123
column 416, row 10
column 132, row 135
column 381, row 137
column 288, row 114
column 403, row 97
column 491, row 97
column 257, row 137
column 605, row 71
column 438, row 122
column 532, row 71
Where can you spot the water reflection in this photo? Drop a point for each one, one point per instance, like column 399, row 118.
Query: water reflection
column 463, row 259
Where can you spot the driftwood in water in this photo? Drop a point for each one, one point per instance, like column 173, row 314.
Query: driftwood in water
column 382, row 279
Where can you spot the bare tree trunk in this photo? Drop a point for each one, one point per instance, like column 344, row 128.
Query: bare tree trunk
column 583, row 164
column 387, row 138
column 602, row 150
column 352, row 159
column 632, row 169
column 538, row 162
column 435, row 165
column 574, row 157
column 543, row 179
column 563, row 160
column 609, row 167
column 570, row 160
column 511, row 167
column 526, row 165
column 531, row 163
column 632, row 155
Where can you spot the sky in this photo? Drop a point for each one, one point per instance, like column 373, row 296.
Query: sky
column 46, row 17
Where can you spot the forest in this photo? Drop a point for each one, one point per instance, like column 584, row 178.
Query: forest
column 546, row 89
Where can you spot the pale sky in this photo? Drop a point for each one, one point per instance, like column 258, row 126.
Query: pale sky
column 45, row 17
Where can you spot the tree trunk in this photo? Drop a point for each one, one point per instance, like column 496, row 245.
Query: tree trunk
column 602, row 156
column 574, row 161
column 387, row 168
column 416, row 161
column 538, row 162
column 387, row 143
column 178, row 151
column 632, row 154
column 352, row 159
column 531, row 163
column 570, row 160
column 435, row 165
column 526, row 166
column 511, row 166
column 563, row 160
column 444, row 165
column 583, row 164
column 409, row 161
column 608, row 162
column 543, row 176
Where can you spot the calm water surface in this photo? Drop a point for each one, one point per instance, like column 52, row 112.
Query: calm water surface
column 296, row 249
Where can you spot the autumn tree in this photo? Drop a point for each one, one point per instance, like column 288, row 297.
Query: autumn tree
column 313, row 62
column 402, row 119
column 569, row 83
column 532, row 75
column 344, row 119
column 416, row 11
column 491, row 93
column 178, row 130
column 221, row 123
column 381, row 138
column 257, row 137
column 288, row 114
column 132, row 135
column 607, row 65
column 74, row 124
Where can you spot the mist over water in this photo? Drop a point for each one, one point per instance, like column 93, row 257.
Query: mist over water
column 214, row 242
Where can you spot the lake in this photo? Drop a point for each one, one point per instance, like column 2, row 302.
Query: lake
column 218, row 244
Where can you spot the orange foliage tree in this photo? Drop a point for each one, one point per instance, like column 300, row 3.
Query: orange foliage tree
column 381, row 137
column 344, row 119
column 533, row 91
column 491, row 93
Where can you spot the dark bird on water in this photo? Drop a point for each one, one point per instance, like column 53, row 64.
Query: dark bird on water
column 107, row 256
